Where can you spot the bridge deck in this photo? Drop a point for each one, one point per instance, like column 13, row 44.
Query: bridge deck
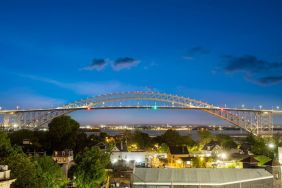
column 141, row 107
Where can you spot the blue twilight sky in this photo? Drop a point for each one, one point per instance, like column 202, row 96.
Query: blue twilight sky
column 218, row 51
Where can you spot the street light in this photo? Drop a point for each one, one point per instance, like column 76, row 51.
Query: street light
column 223, row 156
column 271, row 145
column 260, row 106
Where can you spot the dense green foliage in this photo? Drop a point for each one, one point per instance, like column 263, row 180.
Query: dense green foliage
column 63, row 133
column 49, row 172
column 259, row 146
column 142, row 140
column 90, row 169
column 173, row 138
column 205, row 137
column 225, row 141
column 29, row 172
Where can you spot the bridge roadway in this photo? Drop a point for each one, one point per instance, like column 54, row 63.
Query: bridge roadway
column 277, row 112
column 255, row 121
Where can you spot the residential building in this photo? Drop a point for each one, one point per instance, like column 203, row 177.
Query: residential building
column 212, row 148
column 178, row 156
column 64, row 159
column 5, row 177
column 249, row 162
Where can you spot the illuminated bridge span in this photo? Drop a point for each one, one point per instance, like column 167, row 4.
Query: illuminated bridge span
column 256, row 121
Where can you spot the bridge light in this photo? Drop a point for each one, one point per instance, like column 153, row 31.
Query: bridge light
column 88, row 108
column 221, row 109
column 155, row 107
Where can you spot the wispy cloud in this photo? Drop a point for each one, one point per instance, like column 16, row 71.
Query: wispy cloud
column 270, row 80
column 97, row 64
column 88, row 88
column 249, row 64
column 27, row 99
column 254, row 69
column 117, row 65
column 196, row 51
column 124, row 63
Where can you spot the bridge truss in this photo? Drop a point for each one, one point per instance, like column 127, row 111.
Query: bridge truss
column 257, row 122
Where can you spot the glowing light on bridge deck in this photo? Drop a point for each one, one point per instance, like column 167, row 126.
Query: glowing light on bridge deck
column 88, row 108
column 155, row 107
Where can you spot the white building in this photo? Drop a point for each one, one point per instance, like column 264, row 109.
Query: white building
column 5, row 178
column 139, row 158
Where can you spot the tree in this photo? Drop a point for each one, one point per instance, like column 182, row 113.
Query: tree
column 259, row 146
column 205, row 137
column 50, row 173
column 81, row 142
column 163, row 148
column 63, row 132
column 225, row 141
column 17, row 137
column 199, row 162
column 90, row 169
column 21, row 166
column 142, row 140
column 27, row 171
column 23, row 170
column 5, row 145
column 172, row 138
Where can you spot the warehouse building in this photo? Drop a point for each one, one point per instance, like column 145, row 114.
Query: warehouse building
column 201, row 178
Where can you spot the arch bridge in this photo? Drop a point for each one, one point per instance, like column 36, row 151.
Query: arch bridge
column 255, row 121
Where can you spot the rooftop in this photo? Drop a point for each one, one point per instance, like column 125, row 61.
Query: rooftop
column 178, row 150
column 196, row 176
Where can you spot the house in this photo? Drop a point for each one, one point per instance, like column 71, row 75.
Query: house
column 249, row 162
column 102, row 146
column 212, row 148
column 138, row 158
column 64, row 159
column 178, row 156
column 120, row 146
column 200, row 178
column 5, row 178
column 245, row 148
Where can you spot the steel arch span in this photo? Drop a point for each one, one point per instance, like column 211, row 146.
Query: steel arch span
column 254, row 121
